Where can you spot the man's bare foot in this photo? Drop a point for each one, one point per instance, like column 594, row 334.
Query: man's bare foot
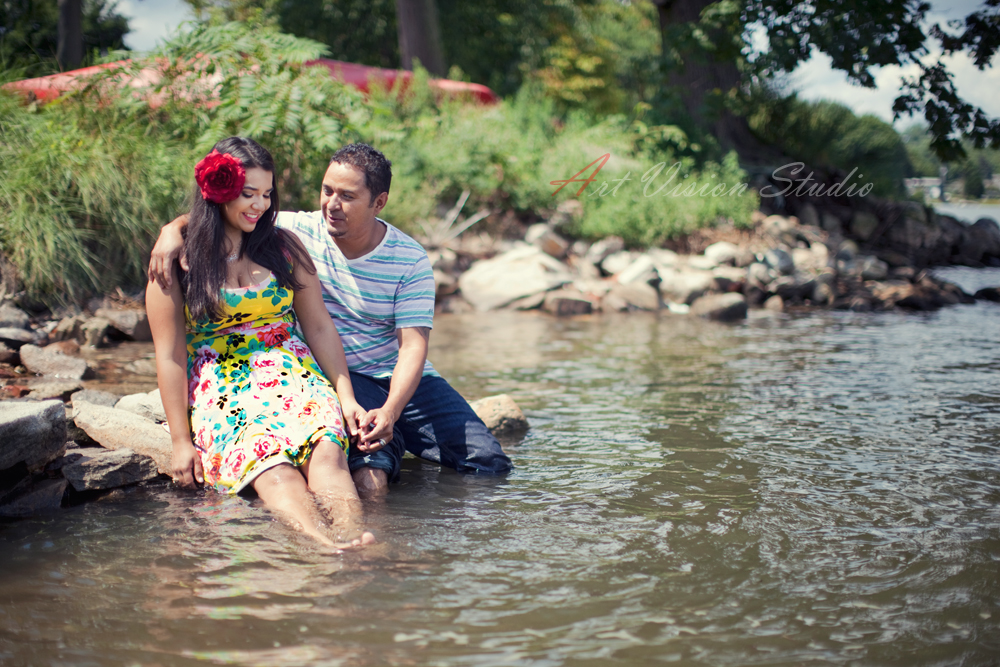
column 366, row 539
column 371, row 482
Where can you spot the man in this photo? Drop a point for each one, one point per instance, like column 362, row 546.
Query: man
column 379, row 288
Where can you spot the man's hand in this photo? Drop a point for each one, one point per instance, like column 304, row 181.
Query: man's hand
column 187, row 473
column 376, row 430
column 168, row 247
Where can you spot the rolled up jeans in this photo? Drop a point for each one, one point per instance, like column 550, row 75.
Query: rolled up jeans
column 437, row 425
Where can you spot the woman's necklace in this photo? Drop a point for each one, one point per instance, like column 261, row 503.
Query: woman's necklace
column 232, row 257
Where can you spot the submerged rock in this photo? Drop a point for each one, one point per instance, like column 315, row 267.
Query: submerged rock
column 52, row 362
column 729, row 307
column 501, row 414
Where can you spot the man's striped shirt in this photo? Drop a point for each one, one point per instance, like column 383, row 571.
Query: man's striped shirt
column 370, row 297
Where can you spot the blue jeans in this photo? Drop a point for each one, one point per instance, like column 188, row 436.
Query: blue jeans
column 437, row 425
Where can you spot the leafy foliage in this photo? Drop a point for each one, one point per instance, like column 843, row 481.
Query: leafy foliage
column 29, row 33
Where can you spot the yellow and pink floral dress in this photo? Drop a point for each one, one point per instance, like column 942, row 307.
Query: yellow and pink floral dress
column 256, row 396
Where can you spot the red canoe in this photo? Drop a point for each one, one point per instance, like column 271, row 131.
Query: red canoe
column 45, row 88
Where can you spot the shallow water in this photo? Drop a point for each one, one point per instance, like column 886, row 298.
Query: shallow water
column 816, row 488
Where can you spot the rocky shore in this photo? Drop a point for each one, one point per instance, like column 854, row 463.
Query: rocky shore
column 63, row 444
column 860, row 262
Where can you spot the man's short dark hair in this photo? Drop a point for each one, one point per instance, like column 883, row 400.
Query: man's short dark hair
column 376, row 168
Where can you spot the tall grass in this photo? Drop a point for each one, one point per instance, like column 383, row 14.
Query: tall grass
column 88, row 180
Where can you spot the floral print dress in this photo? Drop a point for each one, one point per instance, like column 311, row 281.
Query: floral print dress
column 256, row 396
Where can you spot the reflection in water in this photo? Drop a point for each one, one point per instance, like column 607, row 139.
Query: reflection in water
column 819, row 488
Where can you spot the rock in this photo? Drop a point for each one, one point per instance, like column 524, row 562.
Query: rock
column 729, row 307
column 501, row 414
column 642, row 270
column 618, row 262
column 45, row 495
column 989, row 294
column 701, row 262
column 31, row 431
column 549, row 241
column 808, row 215
column 13, row 317
column 523, row 271
column 118, row 429
column 728, row 279
column 131, row 323
column 847, row 251
column 903, row 273
column 793, row 288
column 779, row 260
column 830, row 223
column 95, row 331
column 864, row 224
column 61, row 389
column 444, row 283
column 68, row 328
column 822, row 294
column 760, row 274
column 105, row 398
column 567, row 302
column 775, row 303
column 684, row 286
column 663, row 258
column 8, row 356
column 15, row 337
column 524, row 303
column 873, row 268
column 52, row 363
column 601, row 249
column 984, row 236
column 142, row 367
column 638, row 295
column 723, row 252
column 109, row 469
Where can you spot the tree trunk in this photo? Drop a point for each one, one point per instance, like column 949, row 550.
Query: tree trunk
column 420, row 35
column 69, row 51
column 703, row 75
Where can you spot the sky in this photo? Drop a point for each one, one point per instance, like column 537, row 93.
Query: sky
column 153, row 20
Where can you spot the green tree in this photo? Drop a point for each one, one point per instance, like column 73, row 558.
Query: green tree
column 29, row 33
column 709, row 46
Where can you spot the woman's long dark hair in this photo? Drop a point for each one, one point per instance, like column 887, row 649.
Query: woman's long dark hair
column 205, row 235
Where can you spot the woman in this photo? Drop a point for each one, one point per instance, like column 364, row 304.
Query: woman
column 228, row 355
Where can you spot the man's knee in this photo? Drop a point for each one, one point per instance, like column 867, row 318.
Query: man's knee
column 371, row 482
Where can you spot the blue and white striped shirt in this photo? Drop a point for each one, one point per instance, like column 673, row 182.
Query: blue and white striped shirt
column 370, row 297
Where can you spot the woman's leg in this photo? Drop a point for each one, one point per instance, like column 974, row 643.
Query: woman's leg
column 330, row 479
column 284, row 490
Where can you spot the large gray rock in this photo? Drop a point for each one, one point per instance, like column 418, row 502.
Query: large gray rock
column 97, row 397
column 601, row 249
column 31, row 431
column 109, row 469
column 46, row 389
column 118, row 429
column 132, row 323
column 684, row 286
column 148, row 405
column 639, row 296
column 15, row 337
column 51, row 362
column 12, row 316
column 721, row 307
column 723, row 252
column 780, row 261
column 523, row 271
column 500, row 414
column 567, row 302
column 642, row 270
column 45, row 495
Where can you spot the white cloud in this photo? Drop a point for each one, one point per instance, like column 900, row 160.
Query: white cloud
column 152, row 21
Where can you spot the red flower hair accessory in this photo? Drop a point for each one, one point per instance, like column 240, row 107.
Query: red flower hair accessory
column 220, row 176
